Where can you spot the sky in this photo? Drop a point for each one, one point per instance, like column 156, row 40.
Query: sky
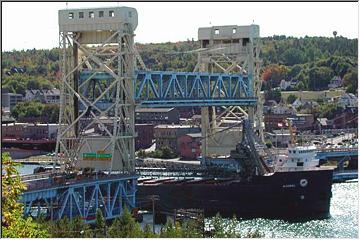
column 29, row 25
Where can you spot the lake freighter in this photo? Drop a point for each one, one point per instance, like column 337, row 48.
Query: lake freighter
column 295, row 187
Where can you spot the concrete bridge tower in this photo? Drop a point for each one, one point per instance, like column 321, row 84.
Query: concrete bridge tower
column 97, row 110
column 229, row 49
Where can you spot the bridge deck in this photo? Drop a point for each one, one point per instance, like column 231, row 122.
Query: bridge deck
column 176, row 89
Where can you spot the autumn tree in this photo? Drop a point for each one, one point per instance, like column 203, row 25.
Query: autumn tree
column 14, row 225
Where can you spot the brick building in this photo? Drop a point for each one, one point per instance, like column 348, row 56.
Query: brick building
column 271, row 120
column 189, row 145
column 145, row 135
column 157, row 115
column 29, row 130
column 167, row 135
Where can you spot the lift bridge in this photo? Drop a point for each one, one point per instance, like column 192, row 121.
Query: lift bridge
column 101, row 87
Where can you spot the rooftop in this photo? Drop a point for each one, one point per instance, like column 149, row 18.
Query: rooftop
column 174, row 126
column 159, row 110
column 194, row 135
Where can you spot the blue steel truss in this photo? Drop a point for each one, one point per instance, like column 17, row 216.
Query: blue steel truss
column 175, row 89
column 82, row 199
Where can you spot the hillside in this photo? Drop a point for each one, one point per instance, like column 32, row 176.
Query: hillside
column 311, row 61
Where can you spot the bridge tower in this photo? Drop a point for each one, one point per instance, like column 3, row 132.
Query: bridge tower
column 97, row 110
column 229, row 49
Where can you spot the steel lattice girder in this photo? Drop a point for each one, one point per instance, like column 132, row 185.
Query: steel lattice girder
column 175, row 89
column 82, row 199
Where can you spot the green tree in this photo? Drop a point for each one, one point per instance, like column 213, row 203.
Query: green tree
column 27, row 109
column 125, row 227
column 274, row 94
column 291, row 98
column 148, row 232
column 218, row 227
column 351, row 82
column 319, row 78
column 52, row 112
column 293, row 56
column 14, row 225
column 100, row 224
column 171, row 231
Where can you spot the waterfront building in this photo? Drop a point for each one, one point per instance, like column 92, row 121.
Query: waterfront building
column 189, row 145
column 167, row 135
column 157, row 115
column 145, row 135
column 9, row 100
column 44, row 96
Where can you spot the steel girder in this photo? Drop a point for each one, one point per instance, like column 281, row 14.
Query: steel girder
column 174, row 89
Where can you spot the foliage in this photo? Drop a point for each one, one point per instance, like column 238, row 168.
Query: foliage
column 273, row 94
column 283, row 58
column 319, row 78
column 164, row 152
column 18, row 83
column 125, row 227
column 327, row 110
column 351, row 82
column 268, row 144
column 33, row 109
column 148, row 232
column 100, row 225
column 291, row 98
column 171, row 231
column 14, row 225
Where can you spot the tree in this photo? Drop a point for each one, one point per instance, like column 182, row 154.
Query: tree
column 100, row 224
column 52, row 112
column 351, row 82
column 268, row 144
column 125, row 227
column 148, row 232
column 274, row 95
column 291, row 98
column 319, row 78
column 14, row 225
column 171, row 231
column 293, row 56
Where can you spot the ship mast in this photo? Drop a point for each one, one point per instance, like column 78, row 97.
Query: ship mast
column 292, row 134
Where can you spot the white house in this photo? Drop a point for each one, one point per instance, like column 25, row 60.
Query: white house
column 283, row 109
column 348, row 100
column 297, row 103
column 45, row 96
column 335, row 82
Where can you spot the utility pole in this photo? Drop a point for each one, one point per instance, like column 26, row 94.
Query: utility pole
column 154, row 198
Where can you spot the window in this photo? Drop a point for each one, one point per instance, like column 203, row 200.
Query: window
column 81, row 14
column 217, row 31
column 130, row 14
column 71, row 15
column 111, row 13
column 101, row 14
column 91, row 15
column 234, row 30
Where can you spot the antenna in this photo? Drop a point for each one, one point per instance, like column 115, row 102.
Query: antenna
column 67, row 5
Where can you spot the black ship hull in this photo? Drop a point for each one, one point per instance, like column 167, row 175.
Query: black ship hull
column 282, row 195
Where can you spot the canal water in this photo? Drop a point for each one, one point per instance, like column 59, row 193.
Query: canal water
column 343, row 222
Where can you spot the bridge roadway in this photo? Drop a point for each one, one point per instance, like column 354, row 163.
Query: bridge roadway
column 179, row 89
column 56, row 195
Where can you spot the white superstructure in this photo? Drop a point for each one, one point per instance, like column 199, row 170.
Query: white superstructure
column 297, row 158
